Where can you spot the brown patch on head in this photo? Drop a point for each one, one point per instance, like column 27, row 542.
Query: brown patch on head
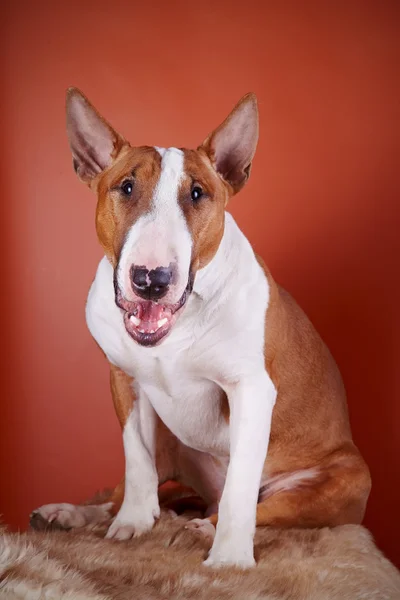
column 205, row 217
column 104, row 160
column 116, row 212
column 220, row 167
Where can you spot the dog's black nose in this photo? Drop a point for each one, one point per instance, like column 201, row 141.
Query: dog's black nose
column 151, row 285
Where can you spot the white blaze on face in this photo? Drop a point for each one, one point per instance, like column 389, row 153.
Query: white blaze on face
column 160, row 237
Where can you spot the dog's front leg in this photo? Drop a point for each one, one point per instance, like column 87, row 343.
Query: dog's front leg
column 251, row 402
column 140, row 506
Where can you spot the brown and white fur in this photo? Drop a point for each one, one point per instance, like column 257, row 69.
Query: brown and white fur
column 218, row 378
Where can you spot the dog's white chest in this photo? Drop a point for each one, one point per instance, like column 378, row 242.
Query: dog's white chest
column 186, row 402
column 175, row 376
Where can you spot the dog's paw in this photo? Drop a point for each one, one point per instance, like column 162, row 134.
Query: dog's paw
column 132, row 522
column 226, row 560
column 203, row 528
column 231, row 550
column 121, row 531
column 69, row 516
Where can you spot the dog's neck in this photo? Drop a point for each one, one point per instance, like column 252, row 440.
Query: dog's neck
column 234, row 251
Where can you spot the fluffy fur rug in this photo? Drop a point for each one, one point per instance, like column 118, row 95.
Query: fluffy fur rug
column 342, row 563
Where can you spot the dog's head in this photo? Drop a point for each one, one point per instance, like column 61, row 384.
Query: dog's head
column 160, row 212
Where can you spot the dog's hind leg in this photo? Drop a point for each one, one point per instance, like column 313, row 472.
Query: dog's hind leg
column 332, row 493
column 70, row 516
column 335, row 493
column 103, row 508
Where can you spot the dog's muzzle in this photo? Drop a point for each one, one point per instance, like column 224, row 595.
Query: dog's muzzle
column 148, row 321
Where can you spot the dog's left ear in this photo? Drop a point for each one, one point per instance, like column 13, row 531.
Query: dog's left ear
column 231, row 147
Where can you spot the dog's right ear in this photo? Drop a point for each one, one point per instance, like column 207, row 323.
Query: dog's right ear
column 94, row 143
column 231, row 147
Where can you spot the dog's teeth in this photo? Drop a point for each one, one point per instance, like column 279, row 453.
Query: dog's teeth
column 137, row 323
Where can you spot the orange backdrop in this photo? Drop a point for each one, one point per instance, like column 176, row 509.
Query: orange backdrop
column 322, row 207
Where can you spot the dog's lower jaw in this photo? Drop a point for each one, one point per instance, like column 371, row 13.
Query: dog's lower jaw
column 134, row 520
column 231, row 549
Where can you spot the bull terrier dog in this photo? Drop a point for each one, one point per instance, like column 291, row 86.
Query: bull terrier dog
column 219, row 380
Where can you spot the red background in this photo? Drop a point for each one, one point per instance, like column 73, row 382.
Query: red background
column 322, row 207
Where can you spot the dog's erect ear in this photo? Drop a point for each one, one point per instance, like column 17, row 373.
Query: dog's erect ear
column 231, row 147
column 94, row 143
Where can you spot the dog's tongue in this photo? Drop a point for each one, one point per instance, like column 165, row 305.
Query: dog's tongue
column 152, row 316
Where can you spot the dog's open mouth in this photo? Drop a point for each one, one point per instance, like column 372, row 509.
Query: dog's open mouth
column 148, row 322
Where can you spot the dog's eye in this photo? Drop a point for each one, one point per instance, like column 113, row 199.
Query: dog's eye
column 197, row 193
column 127, row 187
